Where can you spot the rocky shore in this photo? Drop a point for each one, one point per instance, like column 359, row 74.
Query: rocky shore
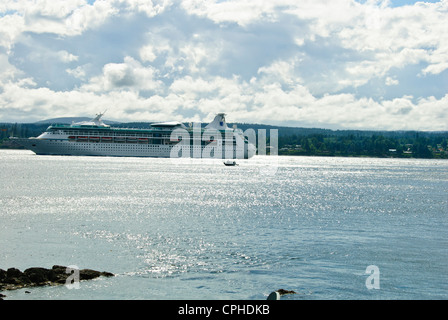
column 13, row 278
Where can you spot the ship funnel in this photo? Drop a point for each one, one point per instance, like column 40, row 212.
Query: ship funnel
column 219, row 123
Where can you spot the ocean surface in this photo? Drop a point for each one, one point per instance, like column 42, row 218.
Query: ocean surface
column 196, row 229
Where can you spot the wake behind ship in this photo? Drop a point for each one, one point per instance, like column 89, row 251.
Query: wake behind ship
column 95, row 138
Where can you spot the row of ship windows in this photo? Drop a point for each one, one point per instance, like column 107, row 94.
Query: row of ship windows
column 91, row 146
column 76, row 135
column 157, row 143
column 119, row 134
column 113, row 146
column 107, row 134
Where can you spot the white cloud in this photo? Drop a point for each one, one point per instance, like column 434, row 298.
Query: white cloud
column 11, row 26
column 62, row 17
column 148, row 53
column 88, row 16
column 150, row 7
column 438, row 60
column 240, row 12
column 181, row 54
column 282, row 71
column 245, row 102
column 50, row 8
column 401, row 36
column 129, row 75
column 77, row 72
column 65, row 56
column 7, row 71
column 391, row 82
column 317, row 63
column 48, row 16
column 436, row 68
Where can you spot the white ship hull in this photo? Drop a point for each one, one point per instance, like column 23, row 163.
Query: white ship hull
column 65, row 147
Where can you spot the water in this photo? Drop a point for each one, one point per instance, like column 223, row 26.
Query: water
column 180, row 229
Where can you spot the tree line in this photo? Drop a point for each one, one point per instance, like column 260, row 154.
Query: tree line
column 308, row 141
column 400, row 145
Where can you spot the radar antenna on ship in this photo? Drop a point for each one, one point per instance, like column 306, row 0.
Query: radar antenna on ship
column 99, row 115
column 94, row 122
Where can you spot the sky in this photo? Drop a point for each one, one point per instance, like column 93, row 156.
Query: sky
column 341, row 64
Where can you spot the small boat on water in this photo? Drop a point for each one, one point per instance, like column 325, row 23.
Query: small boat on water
column 230, row 163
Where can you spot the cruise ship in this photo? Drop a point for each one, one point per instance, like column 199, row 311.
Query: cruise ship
column 163, row 140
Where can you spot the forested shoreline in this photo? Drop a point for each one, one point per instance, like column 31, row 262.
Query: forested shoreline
column 306, row 141
column 377, row 145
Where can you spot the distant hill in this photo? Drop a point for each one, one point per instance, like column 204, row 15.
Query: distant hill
column 282, row 131
column 64, row 120
column 70, row 120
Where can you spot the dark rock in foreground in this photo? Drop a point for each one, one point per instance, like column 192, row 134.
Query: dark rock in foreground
column 275, row 295
column 13, row 278
column 282, row 292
